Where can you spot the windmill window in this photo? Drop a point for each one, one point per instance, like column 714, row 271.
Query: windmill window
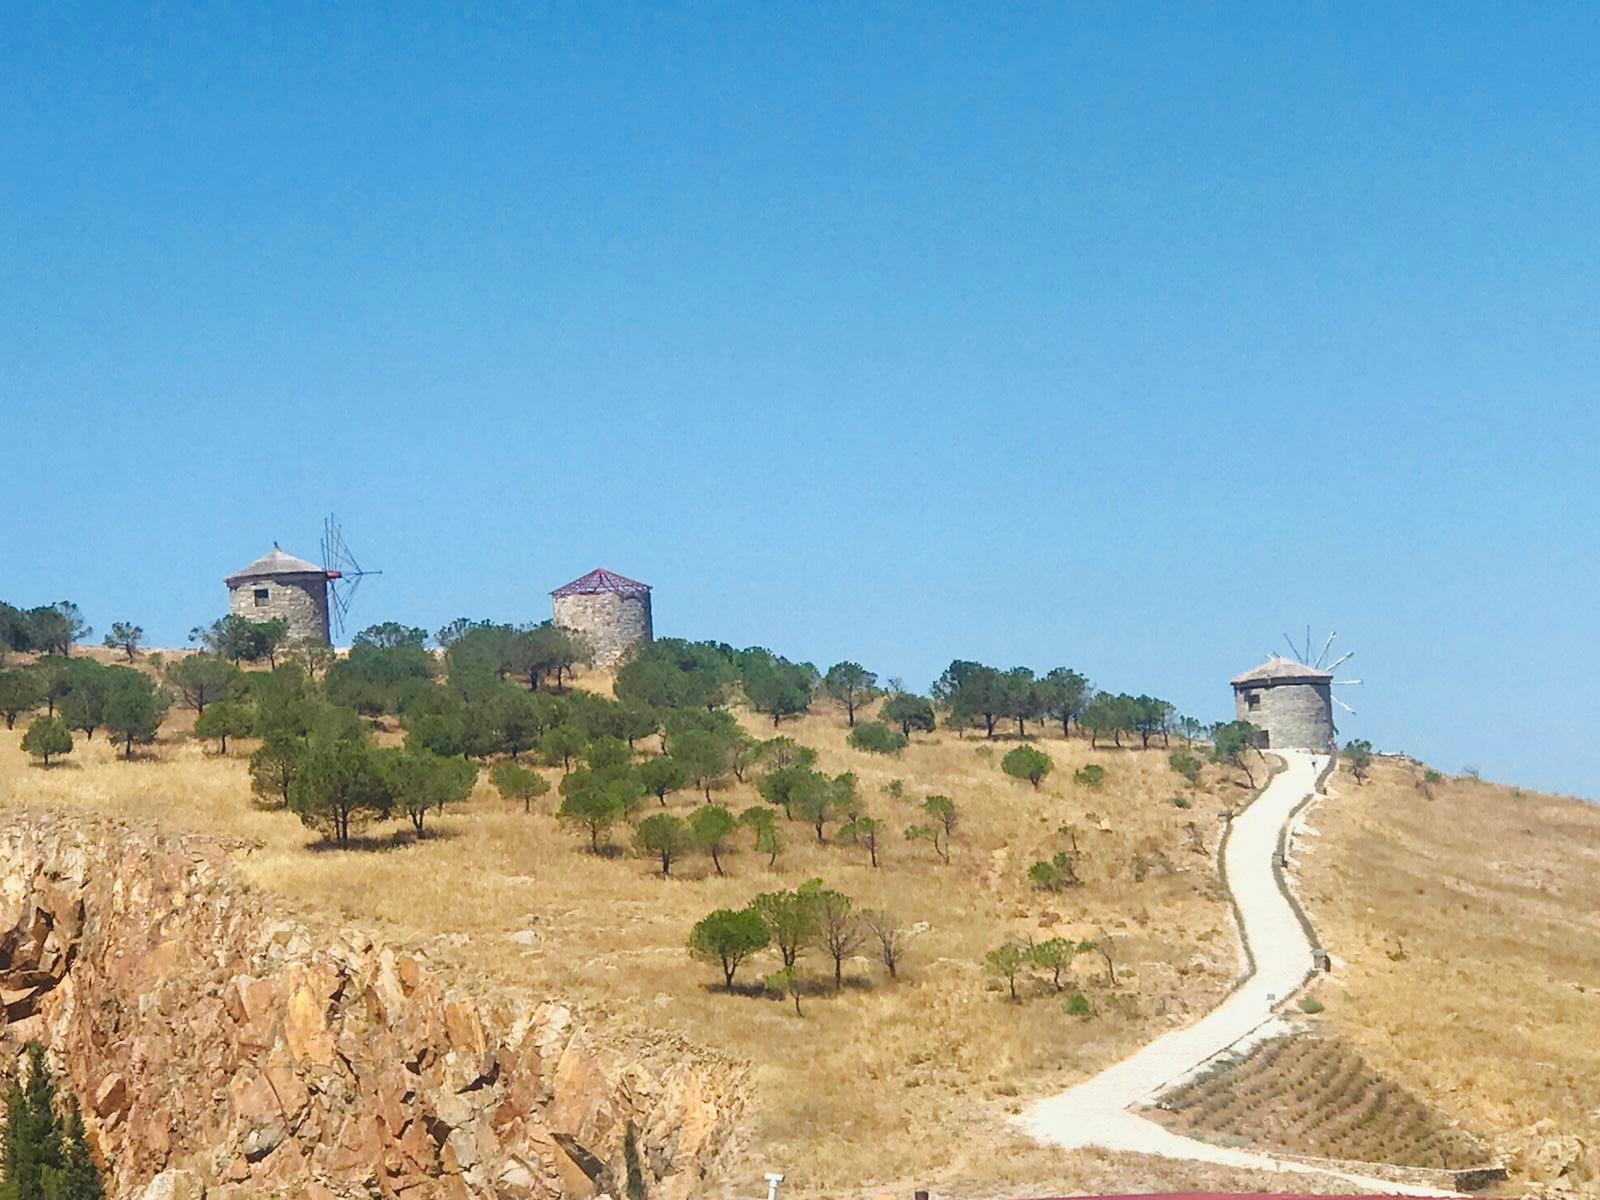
column 261, row 597
column 1252, row 700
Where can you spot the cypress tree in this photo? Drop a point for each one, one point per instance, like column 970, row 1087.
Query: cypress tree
column 634, row 1189
column 44, row 1156
column 79, row 1178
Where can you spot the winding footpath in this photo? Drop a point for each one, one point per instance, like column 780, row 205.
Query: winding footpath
column 1100, row 1111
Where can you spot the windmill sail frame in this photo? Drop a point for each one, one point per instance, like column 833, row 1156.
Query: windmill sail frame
column 343, row 570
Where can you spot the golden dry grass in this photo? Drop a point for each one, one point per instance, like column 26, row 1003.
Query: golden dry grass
column 1466, row 929
column 907, row 1081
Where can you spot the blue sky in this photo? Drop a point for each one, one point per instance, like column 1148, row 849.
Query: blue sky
column 1116, row 337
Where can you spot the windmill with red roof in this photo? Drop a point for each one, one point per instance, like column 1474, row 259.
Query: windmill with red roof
column 609, row 611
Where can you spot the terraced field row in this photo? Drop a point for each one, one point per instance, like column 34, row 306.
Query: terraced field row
column 1315, row 1096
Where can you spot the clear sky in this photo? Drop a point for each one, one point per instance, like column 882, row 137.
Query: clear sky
column 1119, row 337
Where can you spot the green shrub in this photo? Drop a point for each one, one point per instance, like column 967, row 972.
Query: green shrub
column 1024, row 762
column 877, row 738
column 1092, row 775
column 1078, row 1005
column 1187, row 765
column 1181, row 802
column 1058, row 873
column 1310, row 1004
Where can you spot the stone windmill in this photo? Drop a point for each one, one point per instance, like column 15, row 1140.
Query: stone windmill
column 609, row 611
column 1291, row 699
column 308, row 597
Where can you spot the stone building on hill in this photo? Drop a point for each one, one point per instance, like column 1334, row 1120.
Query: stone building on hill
column 610, row 611
column 281, row 585
column 1291, row 702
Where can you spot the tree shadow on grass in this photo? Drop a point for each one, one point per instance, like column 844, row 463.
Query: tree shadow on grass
column 378, row 843
column 819, row 986
column 743, row 988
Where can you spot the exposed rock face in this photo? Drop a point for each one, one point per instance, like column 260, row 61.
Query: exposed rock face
column 219, row 1048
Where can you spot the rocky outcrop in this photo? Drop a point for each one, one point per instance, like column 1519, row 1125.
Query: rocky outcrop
column 221, row 1048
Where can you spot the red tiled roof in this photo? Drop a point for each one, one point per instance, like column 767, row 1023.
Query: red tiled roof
column 601, row 580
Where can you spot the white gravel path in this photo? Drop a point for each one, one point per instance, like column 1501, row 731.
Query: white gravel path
column 1098, row 1112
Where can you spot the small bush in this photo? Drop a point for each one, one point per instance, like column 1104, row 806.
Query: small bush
column 877, row 738
column 1092, row 775
column 1310, row 1004
column 1024, row 762
column 1181, row 802
column 1077, row 1005
column 1058, row 873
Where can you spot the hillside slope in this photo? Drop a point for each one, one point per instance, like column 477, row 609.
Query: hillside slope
column 1465, row 922
column 908, row 1082
column 892, row 1082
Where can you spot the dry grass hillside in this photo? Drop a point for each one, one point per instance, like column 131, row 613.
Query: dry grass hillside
column 1465, row 921
column 1490, row 1015
column 889, row 1083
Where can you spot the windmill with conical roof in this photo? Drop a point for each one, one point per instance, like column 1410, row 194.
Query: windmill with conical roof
column 609, row 611
column 307, row 597
column 1291, row 699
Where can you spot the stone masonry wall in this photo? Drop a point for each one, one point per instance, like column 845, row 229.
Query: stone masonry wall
column 611, row 623
column 301, row 600
column 222, row 1050
column 1295, row 715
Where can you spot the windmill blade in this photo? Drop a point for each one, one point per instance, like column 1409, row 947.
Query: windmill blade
column 1294, row 651
column 1347, row 683
column 343, row 571
column 1307, row 656
column 1345, row 706
column 1324, row 653
column 1343, row 658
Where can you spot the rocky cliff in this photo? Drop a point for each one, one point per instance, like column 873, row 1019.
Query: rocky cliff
column 219, row 1046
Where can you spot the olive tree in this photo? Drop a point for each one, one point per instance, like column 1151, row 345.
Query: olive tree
column 1006, row 961
column 769, row 838
column 664, row 836
column 223, row 720
column 909, row 712
column 135, row 708
column 20, row 692
column 201, row 679
column 516, row 782
column 710, row 826
column 839, row 933
column 125, row 636
column 1358, row 754
column 47, row 738
column 728, row 937
column 891, row 937
column 850, row 685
